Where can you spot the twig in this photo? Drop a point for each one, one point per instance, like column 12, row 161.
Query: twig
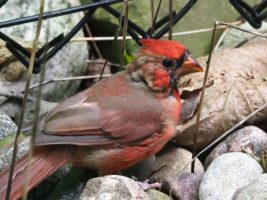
column 241, row 29
column 155, row 19
column 99, row 62
column 228, row 132
column 16, row 95
column 152, row 11
column 36, row 113
column 15, row 149
column 124, row 32
column 87, row 29
column 196, row 128
column 170, row 19
column 69, row 79
column 115, row 38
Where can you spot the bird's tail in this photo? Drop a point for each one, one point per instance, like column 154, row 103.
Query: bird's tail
column 44, row 162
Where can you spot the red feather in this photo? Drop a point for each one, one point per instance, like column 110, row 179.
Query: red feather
column 161, row 78
column 167, row 48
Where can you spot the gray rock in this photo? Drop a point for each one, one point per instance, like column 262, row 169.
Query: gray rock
column 7, row 132
column 183, row 187
column 234, row 38
column 255, row 190
column 7, row 126
column 171, row 161
column 157, row 195
column 11, row 107
column 141, row 170
column 227, row 173
column 250, row 138
column 6, row 153
column 69, row 61
column 113, row 187
column 45, row 107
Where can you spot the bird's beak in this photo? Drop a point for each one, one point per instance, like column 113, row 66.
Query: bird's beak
column 189, row 66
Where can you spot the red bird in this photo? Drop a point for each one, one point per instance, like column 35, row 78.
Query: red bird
column 114, row 124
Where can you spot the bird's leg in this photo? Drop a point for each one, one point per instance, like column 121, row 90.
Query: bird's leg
column 145, row 185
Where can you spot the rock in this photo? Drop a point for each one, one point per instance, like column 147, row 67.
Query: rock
column 7, row 151
column 45, row 107
column 113, row 187
column 227, row 173
column 68, row 62
column 157, row 195
column 171, row 161
column 250, row 138
column 234, row 38
column 255, row 190
column 141, row 170
column 183, row 187
column 7, row 133
column 7, row 126
column 11, row 107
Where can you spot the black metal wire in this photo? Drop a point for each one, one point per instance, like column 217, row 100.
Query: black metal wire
column 17, row 54
column 60, row 41
column 57, row 13
column 47, row 46
column 131, row 24
column 15, row 44
column 67, row 38
column 3, row 2
column 160, row 23
column 261, row 6
column 176, row 18
column 252, row 15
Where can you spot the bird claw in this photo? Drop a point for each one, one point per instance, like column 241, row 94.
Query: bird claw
column 145, row 185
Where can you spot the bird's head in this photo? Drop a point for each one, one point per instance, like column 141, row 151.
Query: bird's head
column 161, row 62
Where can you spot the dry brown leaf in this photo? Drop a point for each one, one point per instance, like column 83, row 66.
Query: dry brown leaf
column 237, row 86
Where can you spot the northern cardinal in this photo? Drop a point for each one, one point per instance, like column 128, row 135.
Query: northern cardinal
column 115, row 123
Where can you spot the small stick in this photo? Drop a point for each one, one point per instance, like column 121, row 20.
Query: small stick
column 99, row 62
column 152, row 11
column 196, row 129
column 69, row 79
column 124, row 32
column 115, row 38
column 22, row 111
column 170, row 19
column 155, row 19
column 228, row 132
column 241, row 29
column 87, row 29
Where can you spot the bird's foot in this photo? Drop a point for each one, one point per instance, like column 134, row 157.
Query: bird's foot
column 145, row 185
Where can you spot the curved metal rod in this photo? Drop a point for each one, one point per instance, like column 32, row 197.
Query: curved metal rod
column 176, row 18
column 57, row 13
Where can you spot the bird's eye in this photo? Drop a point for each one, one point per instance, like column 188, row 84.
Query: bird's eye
column 182, row 59
column 167, row 63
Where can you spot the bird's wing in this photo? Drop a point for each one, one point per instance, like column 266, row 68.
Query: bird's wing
column 80, row 121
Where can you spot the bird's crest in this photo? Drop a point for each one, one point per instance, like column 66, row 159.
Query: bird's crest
column 167, row 48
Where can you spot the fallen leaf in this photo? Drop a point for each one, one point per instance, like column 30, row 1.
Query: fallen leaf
column 237, row 87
